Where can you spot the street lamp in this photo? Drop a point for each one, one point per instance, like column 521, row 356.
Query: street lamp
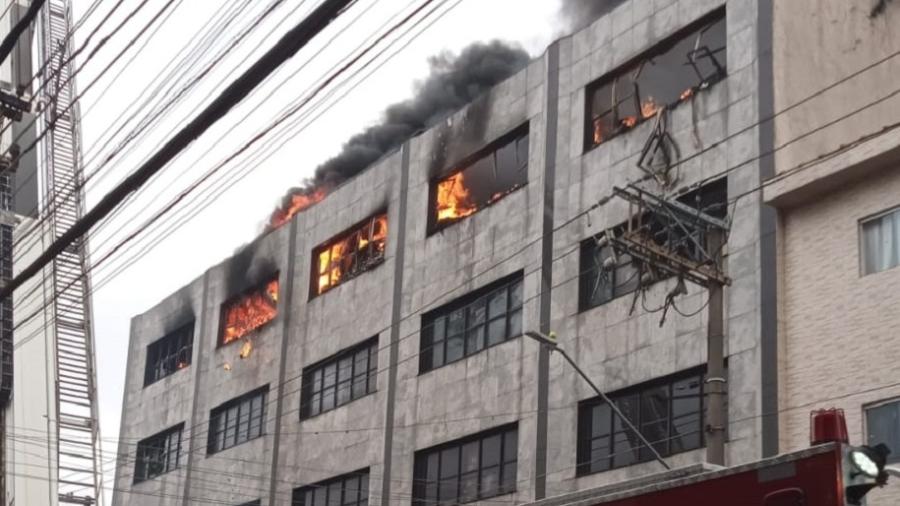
column 550, row 342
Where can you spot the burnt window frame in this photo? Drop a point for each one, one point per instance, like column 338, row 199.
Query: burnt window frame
column 334, row 484
column 163, row 354
column 515, row 135
column 465, row 303
column 241, row 422
column 313, row 378
column 506, row 459
column 376, row 258
column 142, row 462
column 638, row 453
column 711, row 198
column 631, row 69
column 259, row 286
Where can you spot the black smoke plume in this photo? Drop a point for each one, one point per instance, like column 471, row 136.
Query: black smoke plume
column 454, row 81
column 580, row 13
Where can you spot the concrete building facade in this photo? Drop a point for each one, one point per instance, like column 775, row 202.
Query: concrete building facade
column 533, row 244
column 837, row 189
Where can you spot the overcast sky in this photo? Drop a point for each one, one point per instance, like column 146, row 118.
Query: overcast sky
column 214, row 223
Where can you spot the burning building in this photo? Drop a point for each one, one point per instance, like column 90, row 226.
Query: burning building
column 386, row 320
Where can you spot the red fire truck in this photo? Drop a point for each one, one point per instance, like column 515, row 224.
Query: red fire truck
column 829, row 473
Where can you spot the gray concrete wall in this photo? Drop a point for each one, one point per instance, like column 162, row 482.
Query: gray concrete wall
column 498, row 385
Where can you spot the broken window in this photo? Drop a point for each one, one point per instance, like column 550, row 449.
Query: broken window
column 465, row 470
column 349, row 254
column 668, row 411
column 339, row 379
column 237, row 421
column 351, row 489
column 169, row 354
column 249, row 311
column 158, row 454
column 486, row 177
column 476, row 321
column 607, row 273
column 664, row 76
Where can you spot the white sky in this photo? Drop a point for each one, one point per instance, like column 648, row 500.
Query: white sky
column 224, row 220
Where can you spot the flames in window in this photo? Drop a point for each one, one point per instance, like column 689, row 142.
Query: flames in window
column 350, row 254
column 494, row 173
column 664, row 77
column 249, row 311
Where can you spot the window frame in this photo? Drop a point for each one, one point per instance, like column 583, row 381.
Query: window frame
column 315, row 374
column 894, row 456
column 421, row 459
column 513, row 136
column 634, row 67
column 376, row 257
column 298, row 493
column 465, row 303
column 638, row 453
column 141, row 464
column 172, row 343
column 217, row 434
column 862, row 239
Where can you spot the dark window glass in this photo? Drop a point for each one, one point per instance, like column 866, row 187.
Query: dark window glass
column 252, row 503
column 472, row 323
column 339, row 379
column 883, row 427
column 349, row 254
column 466, row 470
column 169, row 354
column 669, row 73
column 158, row 454
column 880, row 242
column 608, row 272
column 237, row 421
column 485, row 177
column 669, row 412
column 347, row 490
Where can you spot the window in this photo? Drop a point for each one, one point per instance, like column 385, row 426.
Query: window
column 339, row 379
column 348, row 490
column 883, row 426
column 467, row 470
column 349, row 254
column 158, row 454
column 881, row 242
column 248, row 311
column 670, row 73
column 252, row 503
column 237, row 421
column 607, row 274
column 669, row 412
column 472, row 323
column 169, row 354
column 485, row 177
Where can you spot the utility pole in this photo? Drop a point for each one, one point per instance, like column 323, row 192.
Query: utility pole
column 669, row 238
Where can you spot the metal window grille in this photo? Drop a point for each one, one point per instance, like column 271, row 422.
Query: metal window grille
column 237, row 421
column 169, row 354
column 350, row 489
column 466, row 470
column 158, row 454
column 340, row 379
column 472, row 323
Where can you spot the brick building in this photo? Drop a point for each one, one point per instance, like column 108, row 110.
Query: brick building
column 383, row 360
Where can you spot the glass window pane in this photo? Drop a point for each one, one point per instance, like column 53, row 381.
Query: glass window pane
column 343, row 393
column 345, row 368
column 437, row 329
column 509, row 477
column 883, row 427
column 330, row 375
column 496, row 331
column 510, row 446
column 515, row 295
column 334, row 494
column 359, row 386
column 328, row 399
column 515, row 323
column 477, row 314
column 601, row 420
column 351, row 490
column 320, row 495
column 437, row 354
column 449, row 462
column 470, row 456
column 455, row 348
column 490, row 481
column 490, row 450
column 475, row 340
column 625, row 446
column 497, row 303
column 468, row 487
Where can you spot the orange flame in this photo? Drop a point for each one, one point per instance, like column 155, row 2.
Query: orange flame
column 649, row 108
column 298, row 203
column 629, row 121
column 598, row 131
column 359, row 247
column 686, row 94
column 453, row 201
column 246, row 349
column 250, row 312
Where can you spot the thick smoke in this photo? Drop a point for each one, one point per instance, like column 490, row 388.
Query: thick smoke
column 580, row 13
column 454, row 81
